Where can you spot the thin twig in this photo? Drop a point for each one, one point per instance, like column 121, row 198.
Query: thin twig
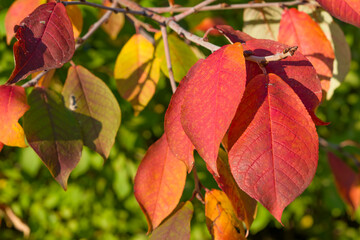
column 192, row 10
column 225, row 6
column 168, row 59
column 146, row 26
column 34, row 81
column 198, row 186
column 337, row 147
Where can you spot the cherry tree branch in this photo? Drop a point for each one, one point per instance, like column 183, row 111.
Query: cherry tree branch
column 168, row 59
column 225, row 6
column 192, row 10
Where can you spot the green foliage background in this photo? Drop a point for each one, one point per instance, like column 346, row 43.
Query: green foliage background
column 99, row 202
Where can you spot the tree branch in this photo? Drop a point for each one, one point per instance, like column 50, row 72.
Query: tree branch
column 168, row 59
column 192, row 10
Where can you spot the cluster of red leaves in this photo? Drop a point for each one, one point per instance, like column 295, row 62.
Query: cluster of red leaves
column 264, row 118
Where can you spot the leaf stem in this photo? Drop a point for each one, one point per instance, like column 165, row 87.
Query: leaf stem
column 198, row 186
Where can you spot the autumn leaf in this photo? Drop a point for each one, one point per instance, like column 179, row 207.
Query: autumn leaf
column 45, row 41
column 45, row 80
column 210, row 22
column 221, row 219
column 13, row 105
column 345, row 10
column 1, row 146
column 181, row 55
column 115, row 22
column 137, row 72
column 298, row 29
column 178, row 141
column 262, row 23
column 233, row 35
column 53, row 133
column 76, row 19
column 347, row 181
column 273, row 144
column 177, row 226
column 159, row 182
column 95, row 108
column 212, row 95
column 16, row 13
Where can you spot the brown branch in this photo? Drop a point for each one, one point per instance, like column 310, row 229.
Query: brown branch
column 192, row 10
column 168, row 59
column 198, row 186
column 34, row 80
column 16, row 221
column 225, row 6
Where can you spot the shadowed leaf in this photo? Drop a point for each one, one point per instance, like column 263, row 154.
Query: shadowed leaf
column 159, row 182
column 12, row 107
column 45, row 41
column 221, row 218
column 114, row 24
column 53, row 133
column 274, row 150
column 177, row 226
column 98, row 111
column 211, row 97
column 298, row 29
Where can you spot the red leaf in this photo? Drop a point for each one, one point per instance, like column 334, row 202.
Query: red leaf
column 275, row 155
column 1, row 146
column 212, row 95
column 45, row 41
column 159, row 182
column 13, row 105
column 346, row 10
column 299, row 29
column 208, row 23
column 347, row 181
column 17, row 12
column 296, row 71
column 178, row 141
column 233, row 35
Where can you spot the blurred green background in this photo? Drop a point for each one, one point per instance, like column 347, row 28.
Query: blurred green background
column 99, row 202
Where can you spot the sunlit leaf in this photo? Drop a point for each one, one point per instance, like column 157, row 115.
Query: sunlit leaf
column 274, row 150
column 95, row 108
column 53, row 133
column 45, row 80
column 12, row 107
column 212, row 95
column 177, row 226
column 221, row 219
column 45, row 41
column 76, row 18
column 298, row 29
column 159, row 182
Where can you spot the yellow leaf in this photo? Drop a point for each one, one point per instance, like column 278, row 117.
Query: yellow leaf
column 76, row 18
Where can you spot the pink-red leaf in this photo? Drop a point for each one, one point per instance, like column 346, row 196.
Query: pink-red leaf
column 13, row 105
column 1, row 146
column 45, row 41
column 345, row 10
column 212, row 95
column 347, row 181
column 275, row 155
column 233, row 35
column 299, row 29
column 296, row 71
column 159, row 182
column 16, row 13
column 178, row 141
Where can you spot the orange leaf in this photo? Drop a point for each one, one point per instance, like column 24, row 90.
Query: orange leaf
column 209, row 22
column 115, row 22
column 1, row 146
column 212, row 95
column 347, row 181
column 13, row 105
column 76, row 19
column 16, row 13
column 299, row 29
column 159, row 182
column 221, row 219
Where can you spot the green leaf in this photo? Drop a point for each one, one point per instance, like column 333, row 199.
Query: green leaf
column 95, row 107
column 182, row 57
column 53, row 133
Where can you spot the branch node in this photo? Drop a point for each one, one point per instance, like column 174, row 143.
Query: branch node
column 248, row 53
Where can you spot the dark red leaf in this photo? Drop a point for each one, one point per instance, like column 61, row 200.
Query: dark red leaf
column 275, row 154
column 45, row 41
column 212, row 95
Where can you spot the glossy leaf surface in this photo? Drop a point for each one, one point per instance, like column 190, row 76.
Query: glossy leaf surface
column 347, row 181
column 178, row 141
column 159, row 182
column 176, row 226
column 13, row 105
column 221, row 218
column 95, row 108
column 212, row 95
column 45, row 41
column 16, row 13
column 274, row 150
column 136, row 72
column 298, row 29
column 53, row 133
column 181, row 55
column 345, row 10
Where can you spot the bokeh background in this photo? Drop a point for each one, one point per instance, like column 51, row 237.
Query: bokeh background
column 99, row 202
